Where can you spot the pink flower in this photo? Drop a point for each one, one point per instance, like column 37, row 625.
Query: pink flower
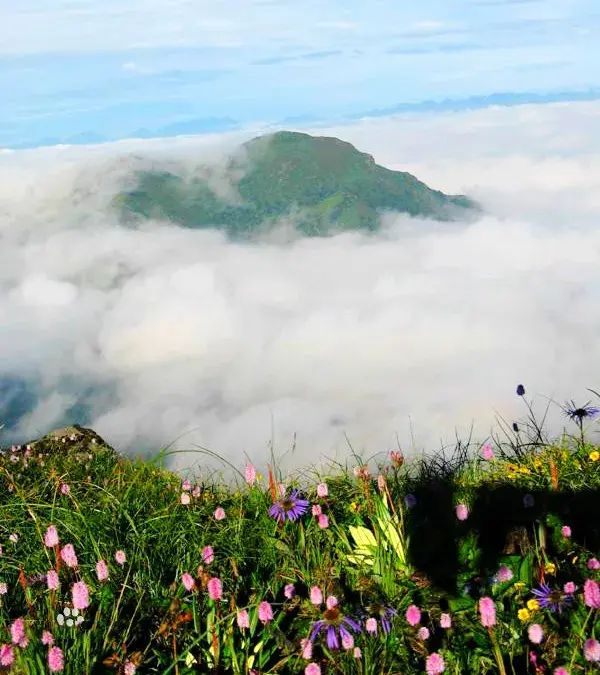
column 434, row 665
column 56, row 661
column 3, row 588
column 566, row 531
column 371, row 625
column 52, row 580
column 413, row 615
column 487, row 609
column 215, row 588
column 196, row 492
column 185, row 498
column 323, row 521
column 306, row 645
column 47, row 638
column 101, row 570
column 357, row 653
column 312, row 669
column 65, row 489
column 504, row 574
column 51, row 537
column 219, row 513
column 23, row 642
column 331, row 602
column 68, row 555
column 250, row 474
column 316, row 597
column 316, row 510
column 462, row 512
column 593, row 564
column 535, row 633
column 487, row 452
column 322, row 490
column 445, row 621
column 347, row 641
column 208, row 555
column 289, row 591
column 569, row 588
column 186, row 485
column 424, row 633
column 591, row 593
column 243, row 620
column 265, row 613
column 591, row 650
column 120, row 557
column 80, row 595
column 561, row 670
column 7, row 656
column 188, row 581
column 17, row 630
column 129, row 668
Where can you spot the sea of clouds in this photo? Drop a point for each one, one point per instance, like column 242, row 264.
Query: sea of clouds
column 408, row 338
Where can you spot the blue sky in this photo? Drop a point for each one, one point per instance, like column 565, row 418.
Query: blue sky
column 84, row 70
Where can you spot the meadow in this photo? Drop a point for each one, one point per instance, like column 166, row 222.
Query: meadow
column 482, row 559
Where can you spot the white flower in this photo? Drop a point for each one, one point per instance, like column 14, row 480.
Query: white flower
column 79, row 620
column 67, row 611
column 60, row 619
column 70, row 622
column 74, row 611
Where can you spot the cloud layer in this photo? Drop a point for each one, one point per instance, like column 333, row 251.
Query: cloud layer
column 423, row 329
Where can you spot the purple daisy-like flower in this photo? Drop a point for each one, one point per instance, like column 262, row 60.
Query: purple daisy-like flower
column 290, row 507
column 336, row 627
column 552, row 598
column 384, row 614
column 578, row 414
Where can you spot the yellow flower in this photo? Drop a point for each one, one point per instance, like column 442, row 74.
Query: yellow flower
column 594, row 455
column 259, row 476
column 518, row 585
column 524, row 469
column 354, row 507
column 523, row 614
column 550, row 568
column 533, row 605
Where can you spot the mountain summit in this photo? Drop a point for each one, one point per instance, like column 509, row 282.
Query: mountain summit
column 324, row 183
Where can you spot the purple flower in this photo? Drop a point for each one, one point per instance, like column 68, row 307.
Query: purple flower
column 553, row 599
column 291, row 507
column 410, row 500
column 289, row 591
column 336, row 627
column 384, row 614
column 504, row 574
column 578, row 414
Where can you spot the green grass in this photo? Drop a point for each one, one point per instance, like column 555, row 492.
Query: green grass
column 375, row 553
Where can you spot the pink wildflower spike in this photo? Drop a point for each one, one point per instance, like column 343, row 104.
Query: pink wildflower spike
column 487, row 609
column 316, row 597
column 52, row 580
column 250, row 474
column 7, row 655
column 208, row 555
column 102, row 570
column 593, row 564
column 80, row 595
column 243, row 620
column 56, row 661
column 65, row 489
column 569, row 588
column 129, row 668
column 120, row 557
column 323, row 521
column 561, row 670
column 413, row 615
column 215, row 588
column 184, row 498
column 312, row 669
column 445, row 621
column 424, row 633
column 188, row 581
column 331, row 602
column 186, row 485
column 17, row 630
column 347, row 641
column 265, row 612
column 535, row 633
column 322, row 490
column 565, row 531
column 591, row 593
column 317, row 510
column 371, row 625
column 47, row 638
column 289, row 591
column 591, row 650
column 487, row 452
column 307, row 648
column 51, row 537
column 196, row 492
column 68, row 556
column 219, row 513
column 434, row 664
column 3, row 588
column 462, row 512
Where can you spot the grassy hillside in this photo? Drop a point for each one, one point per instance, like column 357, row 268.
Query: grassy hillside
column 483, row 562
column 332, row 185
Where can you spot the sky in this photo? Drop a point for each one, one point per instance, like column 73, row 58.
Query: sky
column 77, row 71
column 411, row 337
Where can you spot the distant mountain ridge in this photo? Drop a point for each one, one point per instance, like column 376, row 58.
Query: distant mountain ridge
column 327, row 183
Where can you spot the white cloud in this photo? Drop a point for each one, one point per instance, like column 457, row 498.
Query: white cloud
column 430, row 324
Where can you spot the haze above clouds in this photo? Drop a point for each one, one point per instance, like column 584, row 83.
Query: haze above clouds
column 425, row 328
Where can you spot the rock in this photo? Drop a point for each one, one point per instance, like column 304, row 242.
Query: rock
column 70, row 440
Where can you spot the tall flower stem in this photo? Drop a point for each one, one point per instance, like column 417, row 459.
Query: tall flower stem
column 581, row 632
column 497, row 652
